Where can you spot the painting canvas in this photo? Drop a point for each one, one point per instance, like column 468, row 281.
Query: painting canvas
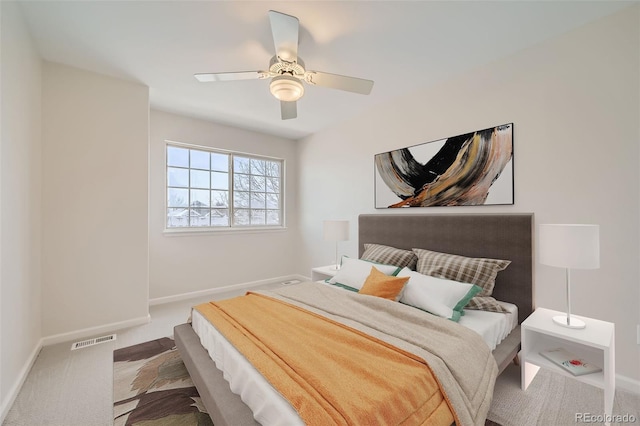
column 466, row 170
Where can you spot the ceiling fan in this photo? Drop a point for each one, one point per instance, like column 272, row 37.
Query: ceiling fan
column 287, row 71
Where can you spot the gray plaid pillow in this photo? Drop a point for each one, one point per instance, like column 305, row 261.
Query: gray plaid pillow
column 486, row 303
column 389, row 256
column 479, row 271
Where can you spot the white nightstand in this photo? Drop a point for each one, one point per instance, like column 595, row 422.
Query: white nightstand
column 594, row 343
column 323, row 272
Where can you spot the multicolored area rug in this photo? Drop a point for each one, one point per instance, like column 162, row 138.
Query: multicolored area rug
column 151, row 386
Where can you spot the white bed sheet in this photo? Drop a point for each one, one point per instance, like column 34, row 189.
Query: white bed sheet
column 493, row 327
column 271, row 408
column 268, row 406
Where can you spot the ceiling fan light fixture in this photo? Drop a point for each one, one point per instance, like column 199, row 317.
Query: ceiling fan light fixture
column 287, row 70
column 286, row 88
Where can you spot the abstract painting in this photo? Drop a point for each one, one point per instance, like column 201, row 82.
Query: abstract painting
column 467, row 170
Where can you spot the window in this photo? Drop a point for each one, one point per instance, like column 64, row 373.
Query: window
column 220, row 189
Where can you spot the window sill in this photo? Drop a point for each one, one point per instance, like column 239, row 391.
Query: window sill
column 183, row 232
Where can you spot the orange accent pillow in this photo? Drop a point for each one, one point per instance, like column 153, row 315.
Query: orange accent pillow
column 381, row 285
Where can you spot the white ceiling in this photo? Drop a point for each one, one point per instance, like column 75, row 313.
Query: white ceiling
column 402, row 46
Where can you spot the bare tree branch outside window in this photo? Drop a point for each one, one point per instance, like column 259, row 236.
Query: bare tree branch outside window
column 214, row 189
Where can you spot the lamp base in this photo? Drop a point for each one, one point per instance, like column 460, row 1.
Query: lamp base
column 575, row 322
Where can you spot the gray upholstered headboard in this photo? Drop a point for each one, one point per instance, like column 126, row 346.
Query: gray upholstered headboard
column 497, row 236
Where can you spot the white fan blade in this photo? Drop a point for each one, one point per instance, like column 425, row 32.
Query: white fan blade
column 288, row 110
column 285, row 35
column 340, row 82
column 229, row 76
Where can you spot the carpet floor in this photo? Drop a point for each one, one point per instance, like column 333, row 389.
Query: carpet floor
column 151, row 386
column 556, row 400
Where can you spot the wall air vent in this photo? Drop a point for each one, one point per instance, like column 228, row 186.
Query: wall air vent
column 91, row 342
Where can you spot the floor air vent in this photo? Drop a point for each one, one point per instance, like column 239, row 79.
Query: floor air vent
column 91, row 342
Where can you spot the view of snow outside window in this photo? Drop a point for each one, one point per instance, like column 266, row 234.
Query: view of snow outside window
column 221, row 189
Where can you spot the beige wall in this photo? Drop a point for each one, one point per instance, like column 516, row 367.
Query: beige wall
column 190, row 263
column 20, row 191
column 574, row 102
column 82, row 192
column 95, row 200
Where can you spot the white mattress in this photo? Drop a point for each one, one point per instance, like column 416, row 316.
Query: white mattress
column 269, row 407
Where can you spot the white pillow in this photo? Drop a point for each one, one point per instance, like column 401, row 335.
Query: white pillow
column 439, row 296
column 354, row 272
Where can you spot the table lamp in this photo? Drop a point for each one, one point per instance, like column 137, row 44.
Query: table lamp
column 569, row 246
column 336, row 230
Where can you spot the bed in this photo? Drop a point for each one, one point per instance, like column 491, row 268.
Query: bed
column 497, row 236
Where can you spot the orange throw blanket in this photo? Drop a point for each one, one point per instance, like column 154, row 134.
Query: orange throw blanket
column 330, row 373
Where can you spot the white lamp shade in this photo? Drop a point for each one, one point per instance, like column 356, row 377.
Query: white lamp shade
column 573, row 246
column 335, row 230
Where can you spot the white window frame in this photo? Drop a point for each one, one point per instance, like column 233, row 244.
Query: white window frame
column 231, row 227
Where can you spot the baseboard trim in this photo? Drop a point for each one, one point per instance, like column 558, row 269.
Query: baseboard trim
column 218, row 290
column 92, row 331
column 627, row 384
column 7, row 403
